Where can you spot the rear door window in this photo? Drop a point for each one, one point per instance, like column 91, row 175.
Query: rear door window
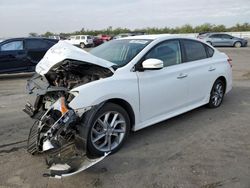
column 195, row 50
column 215, row 36
column 32, row 44
column 12, row 46
column 77, row 37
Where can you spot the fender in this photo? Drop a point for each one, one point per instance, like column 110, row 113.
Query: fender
column 85, row 123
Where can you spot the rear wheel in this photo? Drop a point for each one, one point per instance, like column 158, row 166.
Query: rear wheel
column 82, row 45
column 237, row 44
column 217, row 94
column 109, row 130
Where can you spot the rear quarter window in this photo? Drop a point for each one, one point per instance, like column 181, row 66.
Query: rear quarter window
column 210, row 51
column 194, row 50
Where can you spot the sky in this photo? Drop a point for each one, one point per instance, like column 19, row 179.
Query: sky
column 20, row 17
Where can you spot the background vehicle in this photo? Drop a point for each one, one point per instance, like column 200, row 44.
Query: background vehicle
column 97, row 41
column 220, row 39
column 104, row 37
column 122, row 35
column 85, row 102
column 22, row 54
column 81, row 41
column 57, row 37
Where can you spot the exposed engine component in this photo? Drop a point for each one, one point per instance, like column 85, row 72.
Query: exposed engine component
column 72, row 73
column 58, row 81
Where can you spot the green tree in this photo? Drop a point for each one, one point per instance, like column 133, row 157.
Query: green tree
column 32, row 34
column 47, row 34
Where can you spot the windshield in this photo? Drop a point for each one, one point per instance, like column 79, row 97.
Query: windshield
column 120, row 52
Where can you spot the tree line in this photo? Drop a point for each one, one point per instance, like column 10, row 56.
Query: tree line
column 207, row 27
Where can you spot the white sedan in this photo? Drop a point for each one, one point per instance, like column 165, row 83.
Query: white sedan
column 122, row 85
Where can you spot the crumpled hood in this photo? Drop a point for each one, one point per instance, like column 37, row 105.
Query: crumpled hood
column 63, row 50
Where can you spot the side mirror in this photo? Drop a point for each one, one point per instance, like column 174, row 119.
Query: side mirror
column 152, row 64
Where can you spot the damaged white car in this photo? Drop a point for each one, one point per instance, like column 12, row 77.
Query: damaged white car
column 85, row 104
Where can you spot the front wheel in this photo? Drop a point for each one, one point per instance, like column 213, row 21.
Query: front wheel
column 217, row 94
column 109, row 130
column 237, row 44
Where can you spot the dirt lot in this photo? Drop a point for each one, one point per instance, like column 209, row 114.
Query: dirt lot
column 203, row 148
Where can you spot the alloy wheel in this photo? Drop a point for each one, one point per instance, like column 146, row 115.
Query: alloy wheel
column 217, row 94
column 108, row 131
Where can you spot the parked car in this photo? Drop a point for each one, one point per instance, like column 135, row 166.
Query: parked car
column 123, row 35
column 97, row 41
column 122, row 85
column 221, row 39
column 22, row 54
column 104, row 38
column 57, row 37
column 81, row 41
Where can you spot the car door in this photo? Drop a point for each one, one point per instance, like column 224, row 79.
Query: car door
column 163, row 91
column 12, row 57
column 36, row 49
column 226, row 40
column 216, row 40
column 200, row 70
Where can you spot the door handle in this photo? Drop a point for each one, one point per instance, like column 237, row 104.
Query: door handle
column 182, row 76
column 211, row 69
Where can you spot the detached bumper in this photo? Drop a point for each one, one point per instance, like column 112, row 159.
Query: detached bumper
column 78, row 162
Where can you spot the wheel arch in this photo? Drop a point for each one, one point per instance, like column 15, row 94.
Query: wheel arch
column 239, row 42
column 124, row 104
column 223, row 79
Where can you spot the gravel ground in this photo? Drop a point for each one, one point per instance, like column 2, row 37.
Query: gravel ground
column 203, row 148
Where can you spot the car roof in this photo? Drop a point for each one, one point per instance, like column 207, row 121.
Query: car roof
column 158, row 36
column 24, row 38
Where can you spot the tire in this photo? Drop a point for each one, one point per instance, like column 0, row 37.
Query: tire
column 82, row 45
column 108, row 130
column 237, row 44
column 217, row 94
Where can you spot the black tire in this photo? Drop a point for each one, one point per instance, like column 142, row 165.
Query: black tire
column 105, row 109
column 82, row 45
column 217, row 94
column 237, row 44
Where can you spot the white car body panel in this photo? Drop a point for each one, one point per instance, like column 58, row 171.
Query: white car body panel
column 63, row 50
column 152, row 98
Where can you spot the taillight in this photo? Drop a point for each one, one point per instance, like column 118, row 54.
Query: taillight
column 230, row 61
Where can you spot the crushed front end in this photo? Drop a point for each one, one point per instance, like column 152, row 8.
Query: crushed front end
column 59, row 131
column 57, row 135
